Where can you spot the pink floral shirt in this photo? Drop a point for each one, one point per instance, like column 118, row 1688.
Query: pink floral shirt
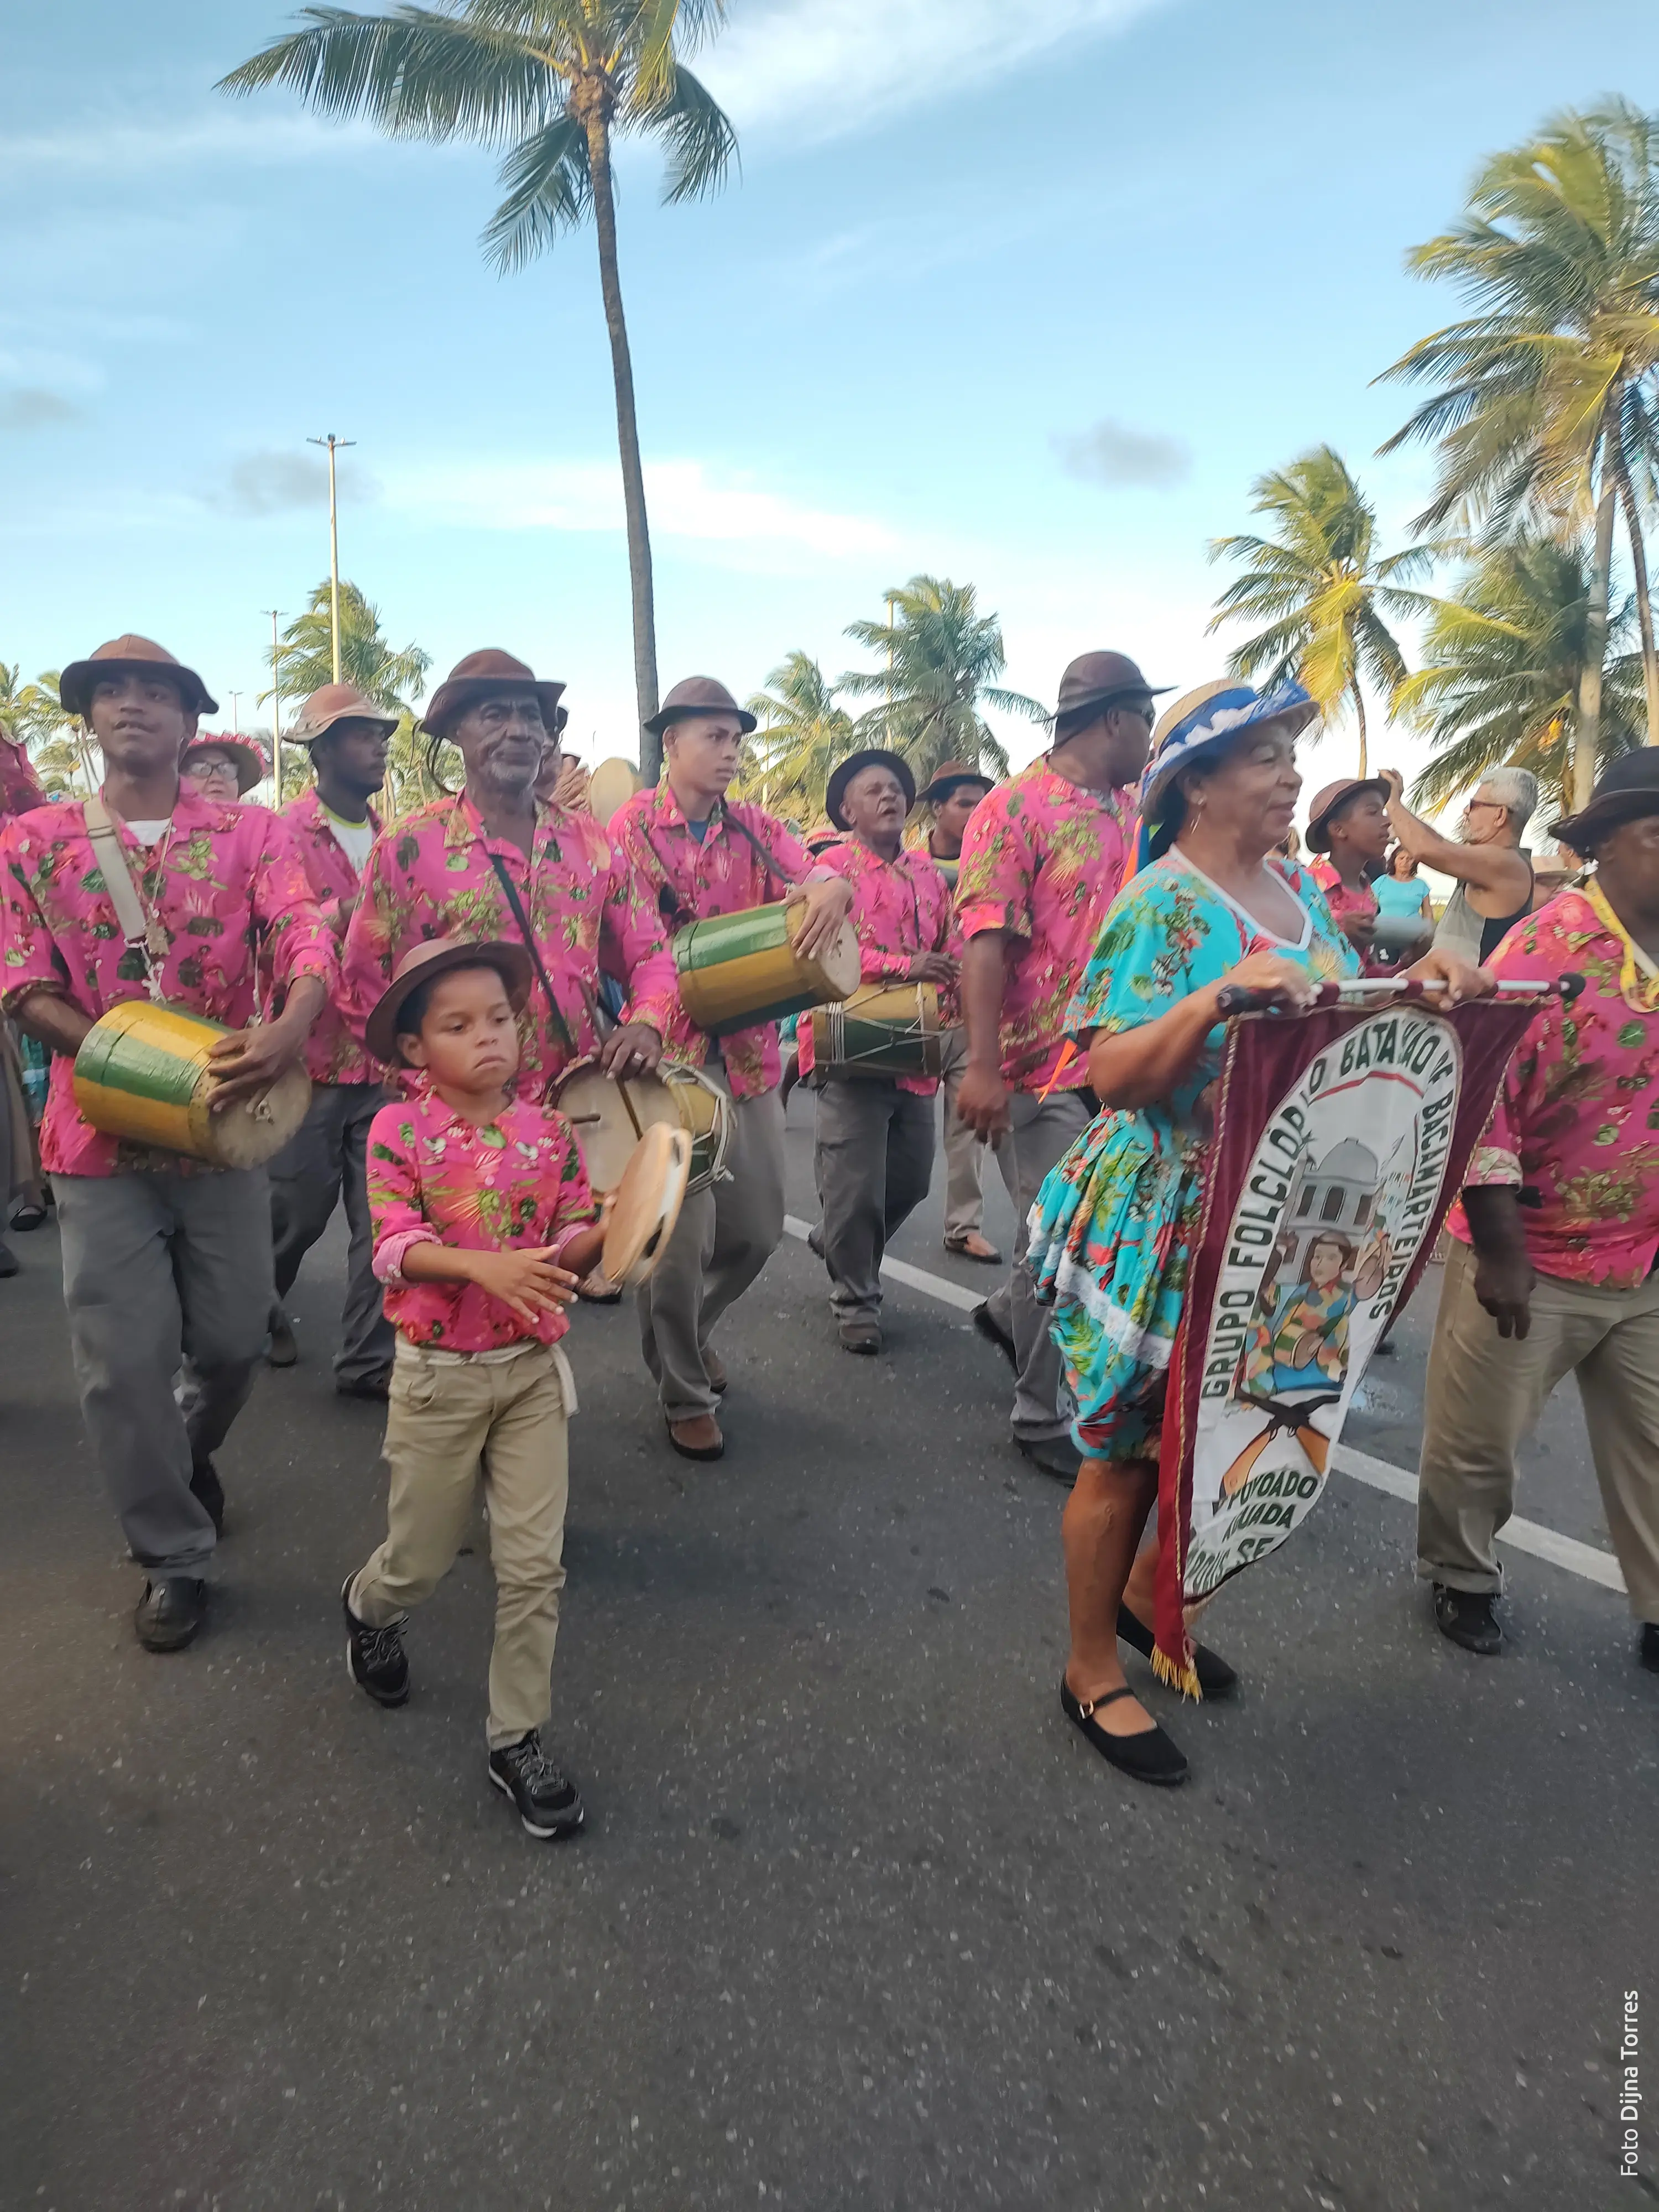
column 1042, row 859
column 686, row 881
column 1577, row 1118
column 900, row 908
column 1343, row 902
column 429, row 875
column 333, row 1054
column 229, row 888
column 435, row 1178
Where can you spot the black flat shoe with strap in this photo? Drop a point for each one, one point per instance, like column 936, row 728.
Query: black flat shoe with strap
column 1215, row 1677
column 1151, row 1756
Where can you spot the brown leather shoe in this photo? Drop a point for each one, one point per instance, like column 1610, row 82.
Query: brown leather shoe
column 971, row 1245
column 699, row 1437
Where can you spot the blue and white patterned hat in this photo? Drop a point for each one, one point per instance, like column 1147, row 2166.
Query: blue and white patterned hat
column 1213, row 715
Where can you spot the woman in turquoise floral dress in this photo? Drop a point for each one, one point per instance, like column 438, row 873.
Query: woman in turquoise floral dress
column 1214, row 903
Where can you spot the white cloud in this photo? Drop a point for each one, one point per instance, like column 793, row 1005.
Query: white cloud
column 825, row 67
column 686, row 500
column 231, row 132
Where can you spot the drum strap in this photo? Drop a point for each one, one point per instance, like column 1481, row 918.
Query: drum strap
column 744, row 830
column 510, row 892
column 143, row 932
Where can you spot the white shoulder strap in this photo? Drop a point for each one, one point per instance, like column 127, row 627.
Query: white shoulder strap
column 118, row 877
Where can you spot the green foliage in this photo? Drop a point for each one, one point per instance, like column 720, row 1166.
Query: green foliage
column 391, row 678
column 1322, row 587
column 941, row 656
column 1558, row 255
column 1503, row 660
column 535, row 76
column 802, row 735
column 54, row 740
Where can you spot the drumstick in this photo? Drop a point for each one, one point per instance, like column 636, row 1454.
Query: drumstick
column 1234, row 999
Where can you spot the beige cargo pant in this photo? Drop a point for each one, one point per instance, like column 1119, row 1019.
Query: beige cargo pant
column 455, row 1420
column 1485, row 1392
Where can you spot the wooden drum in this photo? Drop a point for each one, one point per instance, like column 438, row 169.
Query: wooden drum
column 143, row 1073
column 610, row 1118
column 884, row 1028
column 737, row 970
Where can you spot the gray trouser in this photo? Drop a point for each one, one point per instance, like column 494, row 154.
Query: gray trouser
column 1043, row 1130
column 324, row 1160
column 874, row 1161
column 964, row 1201
column 1485, row 1392
column 158, row 1270
column 724, row 1237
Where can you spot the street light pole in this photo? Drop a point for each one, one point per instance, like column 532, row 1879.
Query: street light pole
column 275, row 704
column 335, row 445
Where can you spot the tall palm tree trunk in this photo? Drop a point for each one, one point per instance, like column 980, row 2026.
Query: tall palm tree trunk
column 1364, row 749
column 1587, row 743
column 628, row 434
column 1638, row 561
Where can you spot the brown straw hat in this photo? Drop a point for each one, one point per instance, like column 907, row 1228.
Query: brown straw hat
column 482, row 676
column 1336, row 795
column 697, row 694
column 948, row 774
column 248, row 757
column 337, row 702
column 422, row 964
column 1625, row 790
column 133, row 655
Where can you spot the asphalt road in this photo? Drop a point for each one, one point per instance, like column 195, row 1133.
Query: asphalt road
column 858, row 1922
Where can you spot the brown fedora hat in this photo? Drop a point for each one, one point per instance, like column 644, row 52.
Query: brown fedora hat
column 135, row 655
column 422, row 964
column 1626, row 791
column 478, row 676
column 948, row 774
column 694, row 696
column 337, row 702
column 1097, row 679
column 1335, row 795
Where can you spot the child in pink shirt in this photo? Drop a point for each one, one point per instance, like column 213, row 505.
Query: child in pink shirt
column 483, row 1224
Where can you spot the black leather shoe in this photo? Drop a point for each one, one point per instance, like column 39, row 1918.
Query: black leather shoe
column 281, row 1350
column 170, row 1612
column 206, row 1489
column 546, row 1797
column 1468, row 1618
column 985, row 1321
column 864, row 1336
column 376, row 1659
column 1647, row 1651
column 1151, row 1756
column 377, row 1386
column 1215, row 1677
column 8, row 1264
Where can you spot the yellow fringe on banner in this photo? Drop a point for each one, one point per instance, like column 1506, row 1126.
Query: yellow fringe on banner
column 1183, row 1678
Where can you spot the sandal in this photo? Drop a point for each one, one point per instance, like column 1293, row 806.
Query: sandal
column 1215, row 1677
column 1150, row 1756
column 964, row 1248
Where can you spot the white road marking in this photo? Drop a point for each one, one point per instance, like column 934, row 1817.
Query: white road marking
column 1587, row 1561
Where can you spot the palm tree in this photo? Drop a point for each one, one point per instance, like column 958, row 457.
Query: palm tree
column 1322, row 587
column 56, row 740
column 554, row 81
column 394, row 679
column 1546, row 405
column 1503, row 669
column 941, row 655
column 802, row 734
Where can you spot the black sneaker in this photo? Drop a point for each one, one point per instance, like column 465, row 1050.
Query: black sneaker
column 207, row 1490
column 170, row 1612
column 544, row 1795
column 375, row 1656
column 1647, row 1651
column 1468, row 1618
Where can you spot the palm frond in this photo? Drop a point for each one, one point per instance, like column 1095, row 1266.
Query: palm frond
column 549, row 189
column 701, row 143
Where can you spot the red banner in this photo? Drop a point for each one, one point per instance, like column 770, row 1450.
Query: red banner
column 1341, row 1140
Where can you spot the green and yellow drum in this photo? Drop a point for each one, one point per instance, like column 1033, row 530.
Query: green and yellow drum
column 144, row 1074
column 737, row 970
column 884, row 1028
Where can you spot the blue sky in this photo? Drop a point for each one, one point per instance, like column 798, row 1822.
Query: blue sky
column 1022, row 295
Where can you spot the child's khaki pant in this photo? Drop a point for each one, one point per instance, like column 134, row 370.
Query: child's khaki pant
column 454, row 1420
